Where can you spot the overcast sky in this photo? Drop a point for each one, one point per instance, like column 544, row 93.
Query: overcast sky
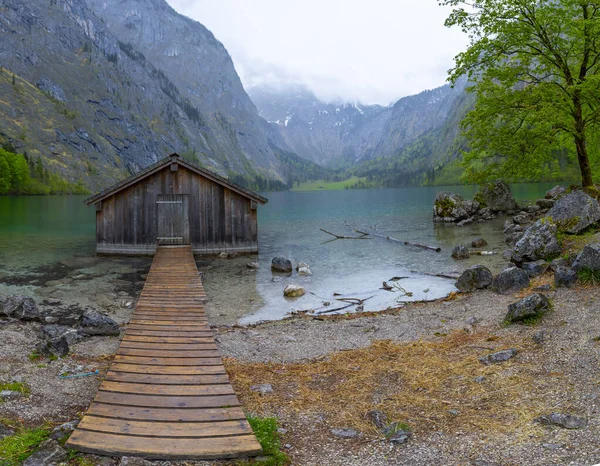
column 371, row 51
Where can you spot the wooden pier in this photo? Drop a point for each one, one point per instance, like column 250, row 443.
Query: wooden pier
column 167, row 395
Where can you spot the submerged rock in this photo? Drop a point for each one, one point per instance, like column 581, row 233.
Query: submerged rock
column 500, row 356
column 496, row 196
column 452, row 207
column 94, row 323
column 293, row 291
column 538, row 242
column 566, row 421
column 478, row 243
column 531, row 306
column 281, row 265
column 588, row 258
column 460, row 252
column 575, row 212
column 510, row 280
column 475, row 277
column 253, row 265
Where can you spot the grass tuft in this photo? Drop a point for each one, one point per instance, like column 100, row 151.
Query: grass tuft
column 265, row 429
column 589, row 277
column 18, row 447
column 20, row 387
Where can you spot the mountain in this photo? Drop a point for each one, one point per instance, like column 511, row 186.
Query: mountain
column 97, row 90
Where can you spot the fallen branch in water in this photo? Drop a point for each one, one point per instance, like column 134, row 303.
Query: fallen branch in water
column 354, row 300
column 406, row 243
column 440, row 275
column 363, row 236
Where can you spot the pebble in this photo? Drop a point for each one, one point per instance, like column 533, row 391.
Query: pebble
column 344, row 432
column 500, row 356
column 263, row 388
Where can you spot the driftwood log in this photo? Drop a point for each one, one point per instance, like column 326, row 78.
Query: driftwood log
column 374, row 232
column 362, row 236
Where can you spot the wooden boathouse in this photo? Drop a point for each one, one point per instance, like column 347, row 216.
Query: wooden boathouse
column 175, row 202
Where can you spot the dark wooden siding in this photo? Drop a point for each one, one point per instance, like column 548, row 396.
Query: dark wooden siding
column 220, row 220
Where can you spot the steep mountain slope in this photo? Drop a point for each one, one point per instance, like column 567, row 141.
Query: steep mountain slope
column 346, row 133
column 93, row 107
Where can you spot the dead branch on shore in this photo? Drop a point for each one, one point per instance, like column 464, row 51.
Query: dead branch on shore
column 362, row 236
column 351, row 302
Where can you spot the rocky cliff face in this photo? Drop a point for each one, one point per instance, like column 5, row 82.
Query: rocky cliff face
column 353, row 133
column 97, row 98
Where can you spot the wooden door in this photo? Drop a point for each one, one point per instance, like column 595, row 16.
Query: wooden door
column 172, row 219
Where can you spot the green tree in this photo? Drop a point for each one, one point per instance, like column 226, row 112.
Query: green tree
column 4, row 175
column 535, row 65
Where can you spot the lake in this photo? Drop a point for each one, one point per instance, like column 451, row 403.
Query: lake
column 38, row 231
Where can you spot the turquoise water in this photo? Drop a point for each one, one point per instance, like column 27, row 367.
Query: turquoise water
column 36, row 231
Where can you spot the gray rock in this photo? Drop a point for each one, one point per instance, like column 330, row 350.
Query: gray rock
column 54, row 347
column 500, row 356
column 510, row 280
column 344, row 433
column 395, row 434
column 302, row 264
column 545, row 204
column 460, row 252
column 19, row 307
column 52, row 332
column 294, row 291
column 479, row 379
column 93, row 323
column 479, row 243
column 559, row 262
column 452, row 207
column 263, row 388
column 539, row 337
column 305, row 271
column 575, row 212
column 538, row 242
column 588, row 258
column 49, row 453
column 565, row 277
column 496, row 196
column 522, row 219
column 536, row 268
column 474, row 278
column 63, row 431
column 545, row 287
column 566, row 421
column 281, row 265
column 253, row 265
column 61, row 315
column 466, row 221
column 531, row 306
column 532, row 209
column 10, row 394
column 135, row 461
column 5, row 431
column 555, row 192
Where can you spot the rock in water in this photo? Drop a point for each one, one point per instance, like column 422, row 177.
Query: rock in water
column 475, row 277
column 564, row 276
column 293, row 291
column 20, row 307
column 536, row 268
column 575, row 212
column 281, row 264
column 538, row 242
column 452, row 207
column 253, row 265
column 478, row 243
column 566, row 421
column 588, row 258
column 555, row 192
column 531, row 306
column 460, row 252
column 510, row 280
column 305, row 271
column 498, row 357
column 93, row 323
column 496, row 196
column 302, row 264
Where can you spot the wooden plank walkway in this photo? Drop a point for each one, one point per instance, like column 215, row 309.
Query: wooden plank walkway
column 167, row 395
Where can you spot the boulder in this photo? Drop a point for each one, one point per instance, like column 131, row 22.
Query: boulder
column 588, row 258
column 55, row 347
column 496, row 196
column 460, row 252
column 536, row 268
column 94, row 323
column 500, row 356
column 545, row 204
column 293, row 291
column 281, row 265
column 52, row 332
column 566, row 421
column 452, row 207
column 575, row 212
column 532, row 306
column 555, row 192
column 510, row 280
column 48, row 453
column 559, row 262
column 522, row 219
column 62, row 315
column 479, row 243
column 538, row 242
column 19, row 307
column 63, row 431
column 564, row 277
column 475, row 277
